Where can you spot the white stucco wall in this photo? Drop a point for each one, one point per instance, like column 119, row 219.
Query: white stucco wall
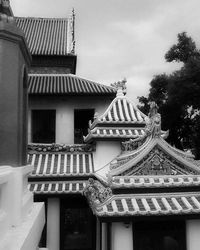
column 53, row 224
column 65, row 107
column 193, row 234
column 105, row 152
column 121, row 236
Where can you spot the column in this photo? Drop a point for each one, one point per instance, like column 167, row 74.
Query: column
column 122, row 236
column 53, row 224
column 193, row 234
column 103, row 236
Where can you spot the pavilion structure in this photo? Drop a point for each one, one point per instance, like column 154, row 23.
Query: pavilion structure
column 107, row 176
column 148, row 196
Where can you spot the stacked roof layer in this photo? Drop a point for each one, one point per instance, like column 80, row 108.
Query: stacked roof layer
column 65, row 84
column 61, row 164
column 121, row 120
column 45, row 36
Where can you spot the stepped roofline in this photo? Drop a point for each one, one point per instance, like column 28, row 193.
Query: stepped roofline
column 66, row 84
column 121, row 120
column 49, row 36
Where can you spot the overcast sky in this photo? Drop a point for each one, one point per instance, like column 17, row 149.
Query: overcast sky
column 122, row 38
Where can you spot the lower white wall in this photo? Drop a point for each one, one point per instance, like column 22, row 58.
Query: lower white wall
column 193, row 234
column 53, row 224
column 121, row 236
column 105, row 153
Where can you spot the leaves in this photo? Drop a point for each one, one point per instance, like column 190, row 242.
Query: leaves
column 178, row 96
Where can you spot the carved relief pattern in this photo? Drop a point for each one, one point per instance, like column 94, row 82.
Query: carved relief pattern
column 132, row 144
column 61, row 148
column 158, row 163
column 96, row 193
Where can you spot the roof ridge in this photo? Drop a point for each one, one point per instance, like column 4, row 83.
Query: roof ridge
column 43, row 18
column 101, row 84
column 71, row 75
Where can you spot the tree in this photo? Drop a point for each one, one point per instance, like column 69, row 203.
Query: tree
column 178, row 95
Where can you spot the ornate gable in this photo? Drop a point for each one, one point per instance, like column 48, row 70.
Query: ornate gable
column 158, row 162
column 152, row 155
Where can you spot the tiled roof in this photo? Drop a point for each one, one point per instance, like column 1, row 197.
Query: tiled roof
column 65, row 84
column 154, row 181
column 61, row 164
column 122, row 133
column 159, row 204
column 122, row 116
column 56, row 187
column 45, row 36
column 121, row 111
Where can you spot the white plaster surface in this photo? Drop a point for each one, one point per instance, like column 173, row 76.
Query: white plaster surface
column 105, row 152
column 53, row 224
column 121, row 236
column 65, row 107
column 193, row 234
column 27, row 236
column 21, row 220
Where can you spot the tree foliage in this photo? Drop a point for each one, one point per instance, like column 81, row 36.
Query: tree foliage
column 178, row 96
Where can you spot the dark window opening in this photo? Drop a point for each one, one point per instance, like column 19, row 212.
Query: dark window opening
column 43, row 126
column 81, row 119
column 78, row 225
column 156, row 235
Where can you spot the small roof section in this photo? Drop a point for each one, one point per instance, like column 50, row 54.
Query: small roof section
column 121, row 120
column 57, row 187
column 47, row 36
column 150, row 205
column 65, row 84
column 61, row 164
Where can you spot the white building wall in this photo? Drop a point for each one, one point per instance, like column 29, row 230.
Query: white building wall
column 53, row 224
column 122, row 236
column 65, row 107
column 193, row 234
column 105, row 153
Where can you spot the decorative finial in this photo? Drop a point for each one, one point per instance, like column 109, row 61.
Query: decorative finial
column 153, row 109
column 6, row 14
column 153, row 124
column 72, row 28
column 120, row 86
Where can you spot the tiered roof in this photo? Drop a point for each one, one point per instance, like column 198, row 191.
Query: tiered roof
column 149, row 178
column 65, row 84
column 59, row 169
column 46, row 36
column 121, row 120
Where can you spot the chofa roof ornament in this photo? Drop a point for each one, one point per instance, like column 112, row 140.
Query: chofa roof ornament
column 120, row 86
column 153, row 124
column 6, row 14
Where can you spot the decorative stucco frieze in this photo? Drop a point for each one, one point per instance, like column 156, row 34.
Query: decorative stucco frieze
column 61, row 147
column 96, row 193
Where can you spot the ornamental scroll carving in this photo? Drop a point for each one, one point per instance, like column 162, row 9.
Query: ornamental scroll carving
column 96, row 193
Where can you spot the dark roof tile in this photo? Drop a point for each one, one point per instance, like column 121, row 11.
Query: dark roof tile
column 65, row 84
column 45, row 36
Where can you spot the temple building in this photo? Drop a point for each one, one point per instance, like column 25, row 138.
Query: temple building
column 102, row 169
